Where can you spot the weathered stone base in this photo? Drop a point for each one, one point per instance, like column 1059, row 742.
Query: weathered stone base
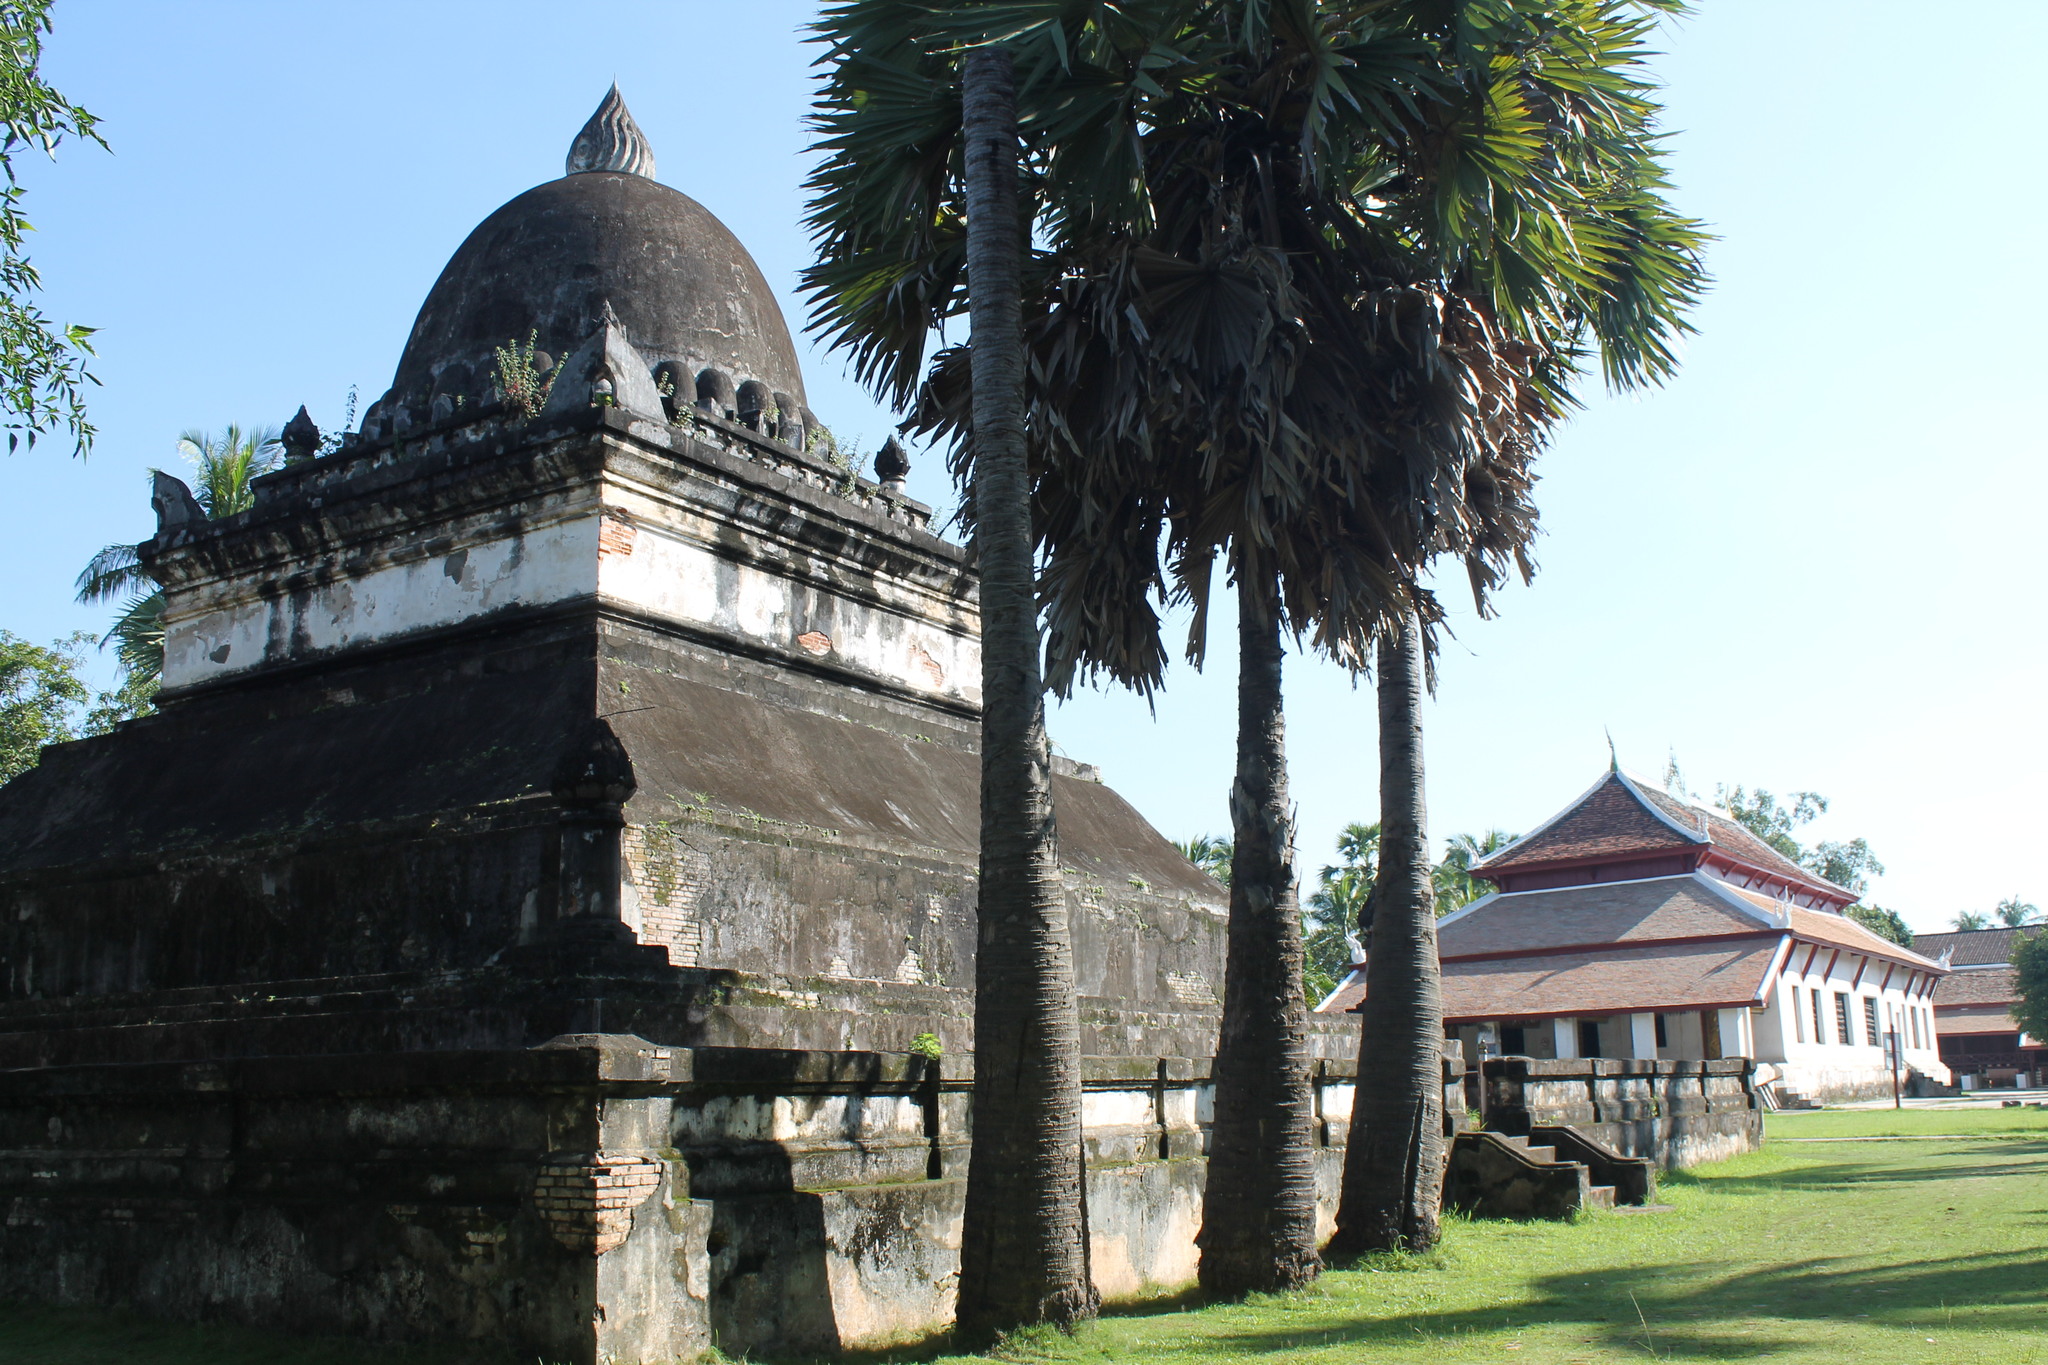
column 1674, row 1113
column 597, row 1201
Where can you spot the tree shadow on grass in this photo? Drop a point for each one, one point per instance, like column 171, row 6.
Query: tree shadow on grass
column 1687, row 1310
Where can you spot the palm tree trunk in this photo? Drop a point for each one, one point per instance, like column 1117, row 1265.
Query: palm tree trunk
column 1393, row 1166
column 1024, row 1242
column 1259, row 1211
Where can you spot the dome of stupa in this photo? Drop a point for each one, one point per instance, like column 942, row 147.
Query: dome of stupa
column 545, row 265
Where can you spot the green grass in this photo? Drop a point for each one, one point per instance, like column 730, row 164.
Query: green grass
column 1832, row 1123
column 1931, row 1250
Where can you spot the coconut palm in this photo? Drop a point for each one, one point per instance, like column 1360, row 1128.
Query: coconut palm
column 2014, row 913
column 1209, row 853
column 1451, row 880
column 225, row 467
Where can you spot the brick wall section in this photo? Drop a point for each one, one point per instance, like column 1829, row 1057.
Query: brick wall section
column 669, row 875
column 588, row 1201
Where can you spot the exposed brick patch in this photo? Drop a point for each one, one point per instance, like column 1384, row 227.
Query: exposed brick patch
column 669, row 876
column 814, row 642
column 615, row 535
column 587, row 1200
column 923, row 662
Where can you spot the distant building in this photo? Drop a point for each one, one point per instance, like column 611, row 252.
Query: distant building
column 1634, row 924
column 1980, row 1040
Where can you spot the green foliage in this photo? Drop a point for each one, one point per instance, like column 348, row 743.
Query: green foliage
column 926, row 1045
column 224, row 470
column 1848, row 865
column 2014, row 913
column 1332, row 914
column 1761, row 815
column 2030, row 968
column 1347, row 251
column 1338, row 908
column 1969, row 921
column 44, row 701
column 39, row 696
column 42, row 366
column 1882, row 922
column 1210, row 853
column 520, row 378
column 1452, row 878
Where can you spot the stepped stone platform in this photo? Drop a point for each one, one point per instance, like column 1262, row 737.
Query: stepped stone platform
column 559, row 827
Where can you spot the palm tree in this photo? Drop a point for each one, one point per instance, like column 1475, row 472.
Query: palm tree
column 225, row 467
column 1451, row 879
column 1394, row 1155
column 1209, row 853
column 1259, row 329
column 1334, row 921
column 1550, row 219
column 2014, row 913
column 1024, row 1236
column 1969, row 921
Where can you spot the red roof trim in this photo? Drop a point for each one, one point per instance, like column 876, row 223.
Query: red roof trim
column 1861, row 968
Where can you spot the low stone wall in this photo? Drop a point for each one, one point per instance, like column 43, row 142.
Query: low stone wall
column 1675, row 1113
column 599, row 1199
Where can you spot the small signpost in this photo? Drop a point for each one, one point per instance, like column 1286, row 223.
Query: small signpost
column 1891, row 1057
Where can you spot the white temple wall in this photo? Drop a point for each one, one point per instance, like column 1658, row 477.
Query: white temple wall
column 870, row 625
column 1818, row 1061
column 229, row 626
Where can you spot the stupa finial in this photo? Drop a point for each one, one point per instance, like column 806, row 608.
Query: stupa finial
column 611, row 141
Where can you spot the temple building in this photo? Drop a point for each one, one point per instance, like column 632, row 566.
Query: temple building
column 1980, row 1040
column 542, row 910
column 1633, row 924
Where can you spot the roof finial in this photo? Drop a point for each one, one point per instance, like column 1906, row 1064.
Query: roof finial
column 611, row 141
column 1613, row 759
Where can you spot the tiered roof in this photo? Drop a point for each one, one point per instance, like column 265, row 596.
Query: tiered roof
column 1630, row 899
column 1620, row 821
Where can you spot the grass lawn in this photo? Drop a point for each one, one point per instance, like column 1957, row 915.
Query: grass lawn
column 1930, row 1249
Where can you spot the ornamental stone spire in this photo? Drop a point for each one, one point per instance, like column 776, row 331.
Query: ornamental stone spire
column 611, row 141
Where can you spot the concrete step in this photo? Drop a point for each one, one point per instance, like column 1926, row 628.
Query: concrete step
column 1544, row 1154
column 1600, row 1197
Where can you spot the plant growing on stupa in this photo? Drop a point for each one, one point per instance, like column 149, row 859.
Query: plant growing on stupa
column 524, row 375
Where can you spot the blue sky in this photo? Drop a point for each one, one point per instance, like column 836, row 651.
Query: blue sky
column 1811, row 561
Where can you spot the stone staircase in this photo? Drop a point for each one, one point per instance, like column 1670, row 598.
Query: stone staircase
column 1552, row 1172
column 1782, row 1097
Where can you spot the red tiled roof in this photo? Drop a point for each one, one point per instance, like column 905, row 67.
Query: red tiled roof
column 1730, row 837
column 1839, row 931
column 1660, row 977
column 1978, row 986
column 1611, row 912
column 1621, row 817
column 1651, row 977
column 1608, row 821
